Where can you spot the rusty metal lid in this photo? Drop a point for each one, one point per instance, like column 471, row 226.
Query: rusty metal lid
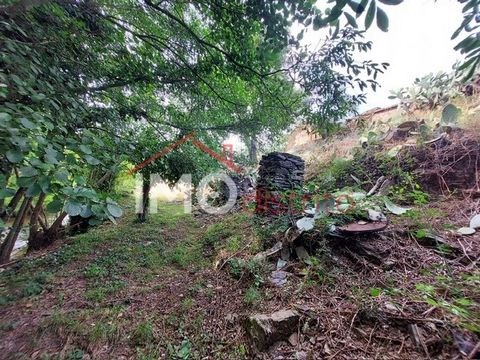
column 362, row 227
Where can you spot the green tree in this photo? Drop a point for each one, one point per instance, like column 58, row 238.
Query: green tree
column 85, row 83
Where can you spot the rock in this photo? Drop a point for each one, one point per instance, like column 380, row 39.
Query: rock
column 475, row 222
column 285, row 254
column 278, row 277
column 408, row 126
column 270, row 252
column 293, row 339
column 231, row 318
column 376, row 215
column 264, row 330
column 281, row 264
column 465, row 344
column 302, row 253
column 301, row 355
column 466, row 231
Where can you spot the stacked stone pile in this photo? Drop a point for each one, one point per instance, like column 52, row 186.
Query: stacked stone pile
column 278, row 173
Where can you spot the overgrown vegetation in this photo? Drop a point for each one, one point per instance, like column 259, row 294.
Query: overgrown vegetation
column 91, row 89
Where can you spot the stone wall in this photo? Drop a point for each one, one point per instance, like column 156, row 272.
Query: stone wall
column 278, row 173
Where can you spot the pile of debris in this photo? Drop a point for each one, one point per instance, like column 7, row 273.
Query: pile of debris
column 245, row 185
column 278, row 173
column 454, row 164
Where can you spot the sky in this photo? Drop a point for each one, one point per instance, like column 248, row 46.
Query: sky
column 417, row 43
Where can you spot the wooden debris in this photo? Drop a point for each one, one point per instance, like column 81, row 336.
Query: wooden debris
column 418, row 339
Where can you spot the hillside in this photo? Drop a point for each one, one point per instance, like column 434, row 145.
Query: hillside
column 189, row 286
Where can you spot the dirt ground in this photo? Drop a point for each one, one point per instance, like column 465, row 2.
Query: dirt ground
column 151, row 291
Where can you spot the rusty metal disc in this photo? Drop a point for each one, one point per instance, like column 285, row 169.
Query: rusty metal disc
column 361, row 228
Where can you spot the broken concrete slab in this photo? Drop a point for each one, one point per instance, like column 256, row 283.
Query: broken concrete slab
column 264, row 330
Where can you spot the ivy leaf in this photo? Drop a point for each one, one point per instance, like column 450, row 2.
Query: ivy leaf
column 86, row 211
column 51, row 156
column 55, row 205
column 38, row 97
column 382, row 20
column 62, row 175
column 98, row 141
column 351, row 20
column 98, row 210
column 4, row 117
column 114, row 210
column 370, row 15
column 14, row 156
column 94, row 221
column 28, row 171
column 92, row 160
column 44, row 183
column 317, row 22
column 27, row 123
column 33, row 190
column 85, row 149
column 4, row 193
column 73, row 207
column 359, row 8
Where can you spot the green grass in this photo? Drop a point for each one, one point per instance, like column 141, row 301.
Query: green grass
column 227, row 231
column 143, row 333
column 110, row 253
column 252, row 296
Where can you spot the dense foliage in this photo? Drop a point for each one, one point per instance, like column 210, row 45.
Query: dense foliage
column 89, row 86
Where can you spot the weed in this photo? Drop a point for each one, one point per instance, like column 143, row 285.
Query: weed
column 458, row 305
column 95, row 271
column 253, row 268
column 149, row 352
column 184, row 255
column 75, row 354
column 225, row 233
column 105, row 332
column 234, row 243
column 197, row 287
column 252, row 296
column 143, row 333
column 187, row 304
column 333, row 177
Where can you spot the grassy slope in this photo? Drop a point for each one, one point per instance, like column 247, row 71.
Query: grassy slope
column 140, row 290
column 149, row 291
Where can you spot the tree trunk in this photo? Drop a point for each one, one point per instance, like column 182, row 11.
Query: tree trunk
column 9, row 243
column 12, row 205
column 45, row 238
column 144, row 206
column 49, row 235
column 34, row 218
column 252, row 150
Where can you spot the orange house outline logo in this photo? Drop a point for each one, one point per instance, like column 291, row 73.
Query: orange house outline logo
column 226, row 160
